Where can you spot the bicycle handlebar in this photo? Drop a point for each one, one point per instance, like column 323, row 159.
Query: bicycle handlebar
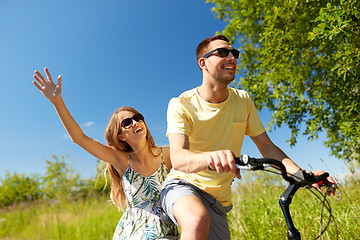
column 301, row 177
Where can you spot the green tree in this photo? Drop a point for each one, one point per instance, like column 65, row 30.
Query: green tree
column 60, row 180
column 300, row 59
column 19, row 188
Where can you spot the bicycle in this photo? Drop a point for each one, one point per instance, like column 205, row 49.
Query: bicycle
column 296, row 181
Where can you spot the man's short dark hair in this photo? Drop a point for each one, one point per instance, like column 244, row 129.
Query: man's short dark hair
column 200, row 50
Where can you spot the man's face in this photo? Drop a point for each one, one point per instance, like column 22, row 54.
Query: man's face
column 220, row 68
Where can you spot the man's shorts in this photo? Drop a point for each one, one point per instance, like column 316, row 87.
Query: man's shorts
column 173, row 189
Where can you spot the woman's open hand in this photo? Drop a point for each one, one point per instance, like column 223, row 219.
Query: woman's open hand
column 47, row 87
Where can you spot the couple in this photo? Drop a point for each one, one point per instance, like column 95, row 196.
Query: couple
column 206, row 128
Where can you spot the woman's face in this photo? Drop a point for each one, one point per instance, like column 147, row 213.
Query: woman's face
column 132, row 127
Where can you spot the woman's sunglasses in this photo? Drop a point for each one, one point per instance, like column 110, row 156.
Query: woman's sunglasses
column 128, row 122
column 223, row 52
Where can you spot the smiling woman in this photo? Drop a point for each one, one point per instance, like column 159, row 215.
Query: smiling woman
column 137, row 167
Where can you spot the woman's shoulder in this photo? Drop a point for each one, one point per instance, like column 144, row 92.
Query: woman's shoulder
column 166, row 156
column 165, row 151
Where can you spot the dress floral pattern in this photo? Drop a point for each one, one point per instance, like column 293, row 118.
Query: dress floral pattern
column 141, row 218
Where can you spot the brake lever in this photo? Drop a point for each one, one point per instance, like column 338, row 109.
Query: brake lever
column 308, row 179
column 331, row 187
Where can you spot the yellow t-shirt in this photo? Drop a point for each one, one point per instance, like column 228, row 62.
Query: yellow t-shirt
column 211, row 127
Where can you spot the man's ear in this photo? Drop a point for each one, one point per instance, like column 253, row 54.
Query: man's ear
column 202, row 64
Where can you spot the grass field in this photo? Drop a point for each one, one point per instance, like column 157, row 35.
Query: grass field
column 256, row 215
column 93, row 219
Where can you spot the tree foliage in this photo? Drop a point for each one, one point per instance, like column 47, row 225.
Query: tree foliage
column 300, row 59
column 19, row 188
column 59, row 182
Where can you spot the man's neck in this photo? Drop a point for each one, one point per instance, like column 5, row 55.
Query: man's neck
column 213, row 93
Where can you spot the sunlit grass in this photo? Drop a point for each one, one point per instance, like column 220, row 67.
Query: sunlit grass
column 256, row 215
column 91, row 219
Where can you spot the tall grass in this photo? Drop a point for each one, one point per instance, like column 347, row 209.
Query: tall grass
column 92, row 219
column 256, row 214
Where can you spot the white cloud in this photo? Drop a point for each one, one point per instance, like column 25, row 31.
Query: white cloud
column 65, row 136
column 85, row 125
column 88, row 124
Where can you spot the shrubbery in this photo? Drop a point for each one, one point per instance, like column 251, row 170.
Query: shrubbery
column 18, row 188
column 59, row 182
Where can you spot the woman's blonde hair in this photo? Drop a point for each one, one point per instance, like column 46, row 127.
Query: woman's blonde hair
column 111, row 133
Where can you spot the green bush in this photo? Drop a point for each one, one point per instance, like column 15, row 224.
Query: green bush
column 59, row 182
column 18, row 188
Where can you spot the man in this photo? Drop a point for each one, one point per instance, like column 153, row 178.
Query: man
column 206, row 128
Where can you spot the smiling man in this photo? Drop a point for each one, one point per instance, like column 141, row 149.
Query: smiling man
column 206, row 129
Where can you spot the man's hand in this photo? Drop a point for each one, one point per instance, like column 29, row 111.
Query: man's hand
column 223, row 161
column 332, row 189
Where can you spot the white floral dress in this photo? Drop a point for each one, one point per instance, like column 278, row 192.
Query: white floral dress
column 141, row 218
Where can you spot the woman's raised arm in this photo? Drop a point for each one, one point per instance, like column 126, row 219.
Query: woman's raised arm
column 52, row 92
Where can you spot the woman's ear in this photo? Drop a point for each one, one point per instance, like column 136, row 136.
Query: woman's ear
column 121, row 137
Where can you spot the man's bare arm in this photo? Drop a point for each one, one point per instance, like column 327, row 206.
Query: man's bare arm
column 187, row 161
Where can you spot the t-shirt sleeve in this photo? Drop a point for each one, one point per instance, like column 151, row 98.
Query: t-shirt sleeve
column 254, row 126
column 177, row 120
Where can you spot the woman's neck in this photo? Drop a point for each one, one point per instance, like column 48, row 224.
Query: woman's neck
column 142, row 153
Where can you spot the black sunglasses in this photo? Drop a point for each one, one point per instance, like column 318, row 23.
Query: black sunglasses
column 224, row 52
column 128, row 122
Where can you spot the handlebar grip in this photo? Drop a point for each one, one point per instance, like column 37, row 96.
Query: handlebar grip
column 248, row 163
column 243, row 160
column 308, row 178
column 321, row 178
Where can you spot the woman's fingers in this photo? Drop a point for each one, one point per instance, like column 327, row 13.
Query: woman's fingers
column 47, row 72
column 37, row 85
column 42, row 81
column 59, row 80
column 39, row 81
column 40, row 76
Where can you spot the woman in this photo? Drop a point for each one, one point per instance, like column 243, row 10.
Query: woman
column 137, row 167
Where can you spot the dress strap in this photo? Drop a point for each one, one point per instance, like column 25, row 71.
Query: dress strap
column 162, row 159
column 128, row 167
column 128, row 157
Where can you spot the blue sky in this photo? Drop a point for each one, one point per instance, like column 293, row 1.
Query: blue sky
column 111, row 53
